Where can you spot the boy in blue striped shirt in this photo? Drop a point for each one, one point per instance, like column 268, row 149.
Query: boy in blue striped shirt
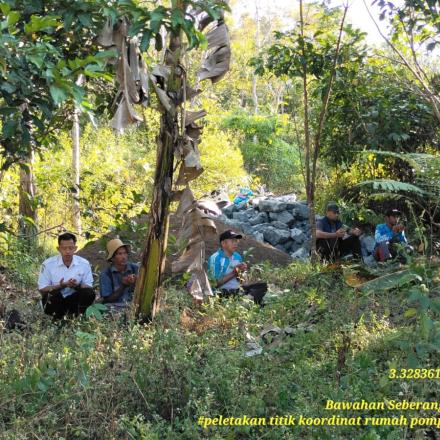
column 388, row 234
column 225, row 264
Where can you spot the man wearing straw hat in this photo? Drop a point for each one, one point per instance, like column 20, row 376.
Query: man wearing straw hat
column 117, row 282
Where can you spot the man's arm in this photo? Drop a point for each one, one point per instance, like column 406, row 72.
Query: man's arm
column 338, row 234
column 106, row 288
column 115, row 295
column 227, row 278
column 320, row 233
column 45, row 282
column 51, row 288
column 87, row 279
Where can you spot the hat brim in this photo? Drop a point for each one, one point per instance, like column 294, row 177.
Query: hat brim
column 239, row 236
column 127, row 246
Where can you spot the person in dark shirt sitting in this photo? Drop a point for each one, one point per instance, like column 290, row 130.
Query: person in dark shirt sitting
column 118, row 281
column 335, row 240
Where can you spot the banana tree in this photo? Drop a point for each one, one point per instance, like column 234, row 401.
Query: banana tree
column 184, row 23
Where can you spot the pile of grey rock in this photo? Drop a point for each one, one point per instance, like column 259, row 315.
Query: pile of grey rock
column 282, row 222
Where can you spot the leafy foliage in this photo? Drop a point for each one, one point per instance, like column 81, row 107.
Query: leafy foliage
column 268, row 149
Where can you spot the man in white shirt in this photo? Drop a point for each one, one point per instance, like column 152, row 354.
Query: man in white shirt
column 66, row 280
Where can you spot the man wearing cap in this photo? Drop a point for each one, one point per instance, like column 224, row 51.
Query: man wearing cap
column 225, row 264
column 117, row 282
column 388, row 234
column 335, row 240
column 65, row 281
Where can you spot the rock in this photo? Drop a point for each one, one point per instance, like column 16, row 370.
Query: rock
column 367, row 243
column 273, row 216
column 256, row 200
column 236, row 224
column 258, row 236
column 288, row 245
column 297, row 235
column 251, row 212
column 280, row 247
column 369, row 260
column 242, row 206
column 271, row 206
column 229, row 210
column 279, row 225
column 294, row 247
column 276, row 236
column 261, row 227
column 259, row 218
column 247, row 228
column 300, row 254
column 283, row 217
column 241, row 216
column 301, row 211
column 287, row 198
column 222, row 218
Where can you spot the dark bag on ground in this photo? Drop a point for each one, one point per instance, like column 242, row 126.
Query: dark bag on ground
column 256, row 290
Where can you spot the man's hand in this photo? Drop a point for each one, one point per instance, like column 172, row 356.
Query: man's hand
column 72, row 283
column 128, row 280
column 398, row 228
column 340, row 233
column 241, row 266
column 356, row 232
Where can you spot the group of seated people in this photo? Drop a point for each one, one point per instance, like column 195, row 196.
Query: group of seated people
column 334, row 240
column 66, row 281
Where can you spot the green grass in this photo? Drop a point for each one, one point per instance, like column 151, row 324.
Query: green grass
column 89, row 379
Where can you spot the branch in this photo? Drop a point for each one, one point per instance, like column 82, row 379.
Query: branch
column 327, row 99
column 429, row 94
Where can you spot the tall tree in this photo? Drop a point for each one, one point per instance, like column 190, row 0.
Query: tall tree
column 76, row 135
column 313, row 56
column 44, row 46
column 414, row 28
column 184, row 22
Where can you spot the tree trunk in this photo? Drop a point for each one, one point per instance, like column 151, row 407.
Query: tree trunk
column 26, row 194
column 257, row 45
column 76, row 214
column 147, row 292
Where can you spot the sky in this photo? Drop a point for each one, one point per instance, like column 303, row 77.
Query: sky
column 357, row 13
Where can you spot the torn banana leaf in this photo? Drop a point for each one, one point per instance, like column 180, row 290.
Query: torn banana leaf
column 191, row 117
column 134, row 57
column 215, row 66
column 164, row 99
column 187, row 174
column 124, row 116
column 200, row 287
column 209, row 207
column 218, row 37
column 106, row 36
column 144, row 83
column 124, row 75
column 194, row 131
column 192, row 92
column 161, row 71
column 191, row 259
column 186, row 201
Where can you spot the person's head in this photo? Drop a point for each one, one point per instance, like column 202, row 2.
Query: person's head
column 332, row 211
column 229, row 241
column 67, row 244
column 117, row 252
column 392, row 216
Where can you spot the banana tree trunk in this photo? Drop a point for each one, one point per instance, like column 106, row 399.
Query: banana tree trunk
column 147, row 293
